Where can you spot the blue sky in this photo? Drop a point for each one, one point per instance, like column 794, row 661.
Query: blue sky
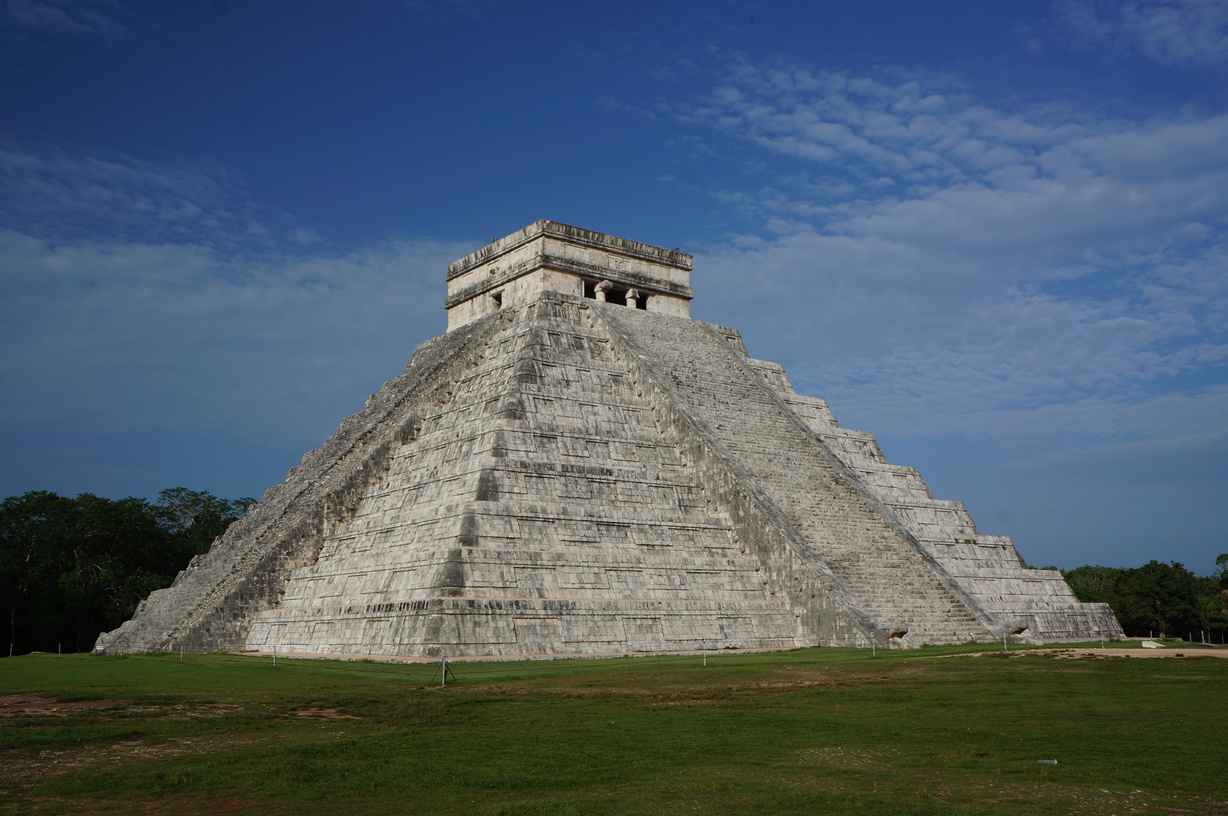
column 992, row 234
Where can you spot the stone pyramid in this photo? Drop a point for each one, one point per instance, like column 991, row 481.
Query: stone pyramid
column 577, row 467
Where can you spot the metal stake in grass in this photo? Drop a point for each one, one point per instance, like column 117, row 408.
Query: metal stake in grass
column 443, row 671
column 274, row 655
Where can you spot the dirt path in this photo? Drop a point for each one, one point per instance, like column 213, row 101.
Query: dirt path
column 1168, row 651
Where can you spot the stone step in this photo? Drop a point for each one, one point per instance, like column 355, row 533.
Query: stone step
column 884, row 573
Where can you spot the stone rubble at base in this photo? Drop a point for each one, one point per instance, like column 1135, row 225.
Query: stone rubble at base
column 577, row 467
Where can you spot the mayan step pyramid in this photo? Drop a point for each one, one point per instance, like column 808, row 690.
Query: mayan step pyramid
column 578, row 467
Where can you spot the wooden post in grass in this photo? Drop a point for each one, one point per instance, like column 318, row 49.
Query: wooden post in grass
column 274, row 655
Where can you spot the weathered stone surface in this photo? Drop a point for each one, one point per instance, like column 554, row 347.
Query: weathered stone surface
column 578, row 467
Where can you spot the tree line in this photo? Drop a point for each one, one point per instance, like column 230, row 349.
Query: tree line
column 71, row 568
column 1160, row 600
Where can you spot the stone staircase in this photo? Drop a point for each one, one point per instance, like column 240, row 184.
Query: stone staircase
column 536, row 511
column 1032, row 604
column 883, row 570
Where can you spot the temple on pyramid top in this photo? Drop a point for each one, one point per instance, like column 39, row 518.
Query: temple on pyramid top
column 577, row 467
column 549, row 256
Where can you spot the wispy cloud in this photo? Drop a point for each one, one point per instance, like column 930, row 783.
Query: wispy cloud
column 68, row 195
column 1036, row 296
column 104, row 19
column 177, row 336
column 1174, row 33
column 942, row 265
column 190, row 314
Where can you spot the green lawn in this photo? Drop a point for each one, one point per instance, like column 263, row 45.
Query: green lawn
column 818, row 731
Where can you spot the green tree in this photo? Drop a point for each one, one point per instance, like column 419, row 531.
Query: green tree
column 1216, row 600
column 1093, row 584
column 32, row 557
column 194, row 518
column 73, row 567
column 1160, row 598
column 118, row 556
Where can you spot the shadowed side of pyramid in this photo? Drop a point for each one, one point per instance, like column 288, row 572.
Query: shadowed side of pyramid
column 916, row 566
column 842, row 528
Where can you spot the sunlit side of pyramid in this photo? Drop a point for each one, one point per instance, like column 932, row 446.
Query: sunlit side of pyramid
column 577, row 467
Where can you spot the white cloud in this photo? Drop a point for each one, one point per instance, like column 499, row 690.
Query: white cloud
column 192, row 312
column 131, row 336
column 1175, row 33
column 1025, row 278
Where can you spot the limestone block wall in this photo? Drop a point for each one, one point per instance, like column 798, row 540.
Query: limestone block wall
column 511, row 287
column 211, row 604
column 1038, row 602
column 567, row 476
column 835, row 528
column 548, row 256
column 822, row 609
column 538, row 512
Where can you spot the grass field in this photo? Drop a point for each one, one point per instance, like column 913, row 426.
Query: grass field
column 817, row 731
